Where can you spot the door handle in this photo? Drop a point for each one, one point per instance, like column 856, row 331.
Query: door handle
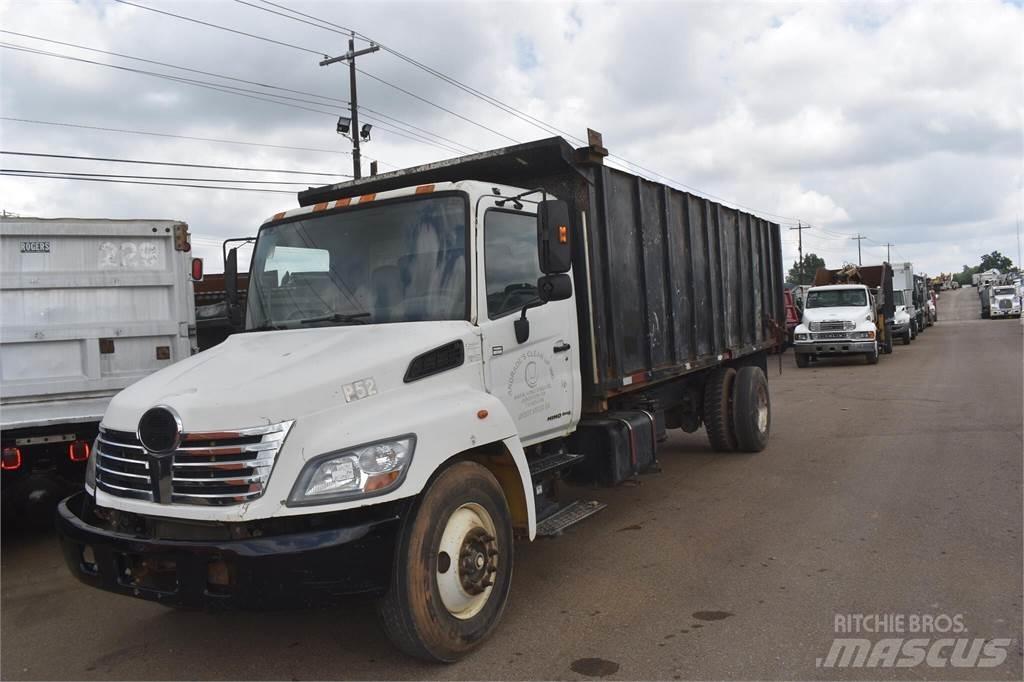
column 561, row 348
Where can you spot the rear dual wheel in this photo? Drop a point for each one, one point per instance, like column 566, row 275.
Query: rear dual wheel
column 453, row 567
column 737, row 409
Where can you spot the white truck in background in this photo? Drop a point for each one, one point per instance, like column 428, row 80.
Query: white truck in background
column 1004, row 301
column 89, row 307
column 903, row 293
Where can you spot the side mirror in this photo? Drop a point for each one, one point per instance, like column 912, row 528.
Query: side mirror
column 231, row 288
column 553, row 242
column 554, row 287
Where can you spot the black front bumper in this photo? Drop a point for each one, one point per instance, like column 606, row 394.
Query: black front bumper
column 320, row 558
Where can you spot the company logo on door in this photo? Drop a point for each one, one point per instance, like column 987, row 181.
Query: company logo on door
column 530, row 382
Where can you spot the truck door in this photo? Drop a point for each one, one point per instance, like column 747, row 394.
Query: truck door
column 535, row 379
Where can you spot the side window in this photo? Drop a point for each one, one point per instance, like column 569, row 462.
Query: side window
column 511, row 264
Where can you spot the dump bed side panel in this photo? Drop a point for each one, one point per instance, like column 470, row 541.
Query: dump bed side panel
column 89, row 306
column 677, row 281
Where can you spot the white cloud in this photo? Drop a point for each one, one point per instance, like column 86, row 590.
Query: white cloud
column 902, row 121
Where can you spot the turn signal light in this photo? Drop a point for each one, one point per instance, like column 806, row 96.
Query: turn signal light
column 11, row 459
column 563, row 234
column 78, row 451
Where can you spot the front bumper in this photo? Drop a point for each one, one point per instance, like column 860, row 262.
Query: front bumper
column 900, row 329
column 303, row 561
column 1004, row 312
column 834, row 347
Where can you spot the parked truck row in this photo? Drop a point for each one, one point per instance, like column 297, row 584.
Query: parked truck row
column 862, row 310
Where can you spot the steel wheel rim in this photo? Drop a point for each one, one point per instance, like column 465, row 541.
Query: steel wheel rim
column 468, row 555
column 762, row 410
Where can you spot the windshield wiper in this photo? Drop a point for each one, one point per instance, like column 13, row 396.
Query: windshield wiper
column 337, row 317
column 266, row 326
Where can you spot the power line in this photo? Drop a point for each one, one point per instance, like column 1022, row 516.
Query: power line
column 153, row 177
column 173, row 66
column 234, row 90
column 170, row 163
column 142, row 182
column 223, row 28
column 225, row 77
column 180, row 137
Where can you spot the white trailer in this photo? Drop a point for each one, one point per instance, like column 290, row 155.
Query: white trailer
column 89, row 307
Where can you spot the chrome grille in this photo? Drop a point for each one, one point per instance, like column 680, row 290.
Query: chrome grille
column 219, row 467
column 1005, row 304
column 832, row 326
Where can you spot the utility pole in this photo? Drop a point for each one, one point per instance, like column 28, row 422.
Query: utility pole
column 800, row 227
column 858, row 238
column 888, row 252
column 350, row 57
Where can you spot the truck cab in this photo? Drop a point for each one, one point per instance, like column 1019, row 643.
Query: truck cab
column 1004, row 301
column 838, row 320
column 903, row 323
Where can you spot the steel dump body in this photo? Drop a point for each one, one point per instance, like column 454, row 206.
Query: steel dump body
column 667, row 282
column 86, row 306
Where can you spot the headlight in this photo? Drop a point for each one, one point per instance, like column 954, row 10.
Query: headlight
column 801, row 337
column 370, row 469
column 862, row 335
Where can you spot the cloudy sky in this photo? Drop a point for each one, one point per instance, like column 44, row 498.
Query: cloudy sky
column 898, row 121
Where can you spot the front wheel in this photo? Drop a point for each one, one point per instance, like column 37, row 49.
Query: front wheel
column 802, row 360
column 906, row 339
column 453, row 567
column 872, row 357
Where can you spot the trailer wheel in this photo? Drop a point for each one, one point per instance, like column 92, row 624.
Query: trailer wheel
column 453, row 567
column 802, row 359
column 718, row 409
column 752, row 409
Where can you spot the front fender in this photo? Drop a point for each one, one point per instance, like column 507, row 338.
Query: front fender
column 446, row 419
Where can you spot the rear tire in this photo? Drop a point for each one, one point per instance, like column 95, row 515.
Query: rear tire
column 802, row 359
column 453, row 567
column 752, row 409
column 718, row 409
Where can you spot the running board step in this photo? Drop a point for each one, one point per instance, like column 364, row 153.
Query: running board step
column 568, row 515
column 559, row 460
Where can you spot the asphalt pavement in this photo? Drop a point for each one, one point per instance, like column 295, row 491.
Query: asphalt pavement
column 892, row 489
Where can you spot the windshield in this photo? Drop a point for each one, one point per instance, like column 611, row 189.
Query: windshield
column 897, row 297
column 403, row 261
column 1004, row 291
column 835, row 298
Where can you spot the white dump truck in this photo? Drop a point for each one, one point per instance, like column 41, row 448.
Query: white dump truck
column 89, row 307
column 849, row 311
column 425, row 355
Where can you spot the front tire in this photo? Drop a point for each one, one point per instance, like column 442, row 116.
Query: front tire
column 906, row 339
column 752, row 409
column 872, row 357
column 802, row 360
column 718, row 409
column 453, row 567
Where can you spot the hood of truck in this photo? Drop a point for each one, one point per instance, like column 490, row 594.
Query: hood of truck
column 854, row 313
column 261, row 378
